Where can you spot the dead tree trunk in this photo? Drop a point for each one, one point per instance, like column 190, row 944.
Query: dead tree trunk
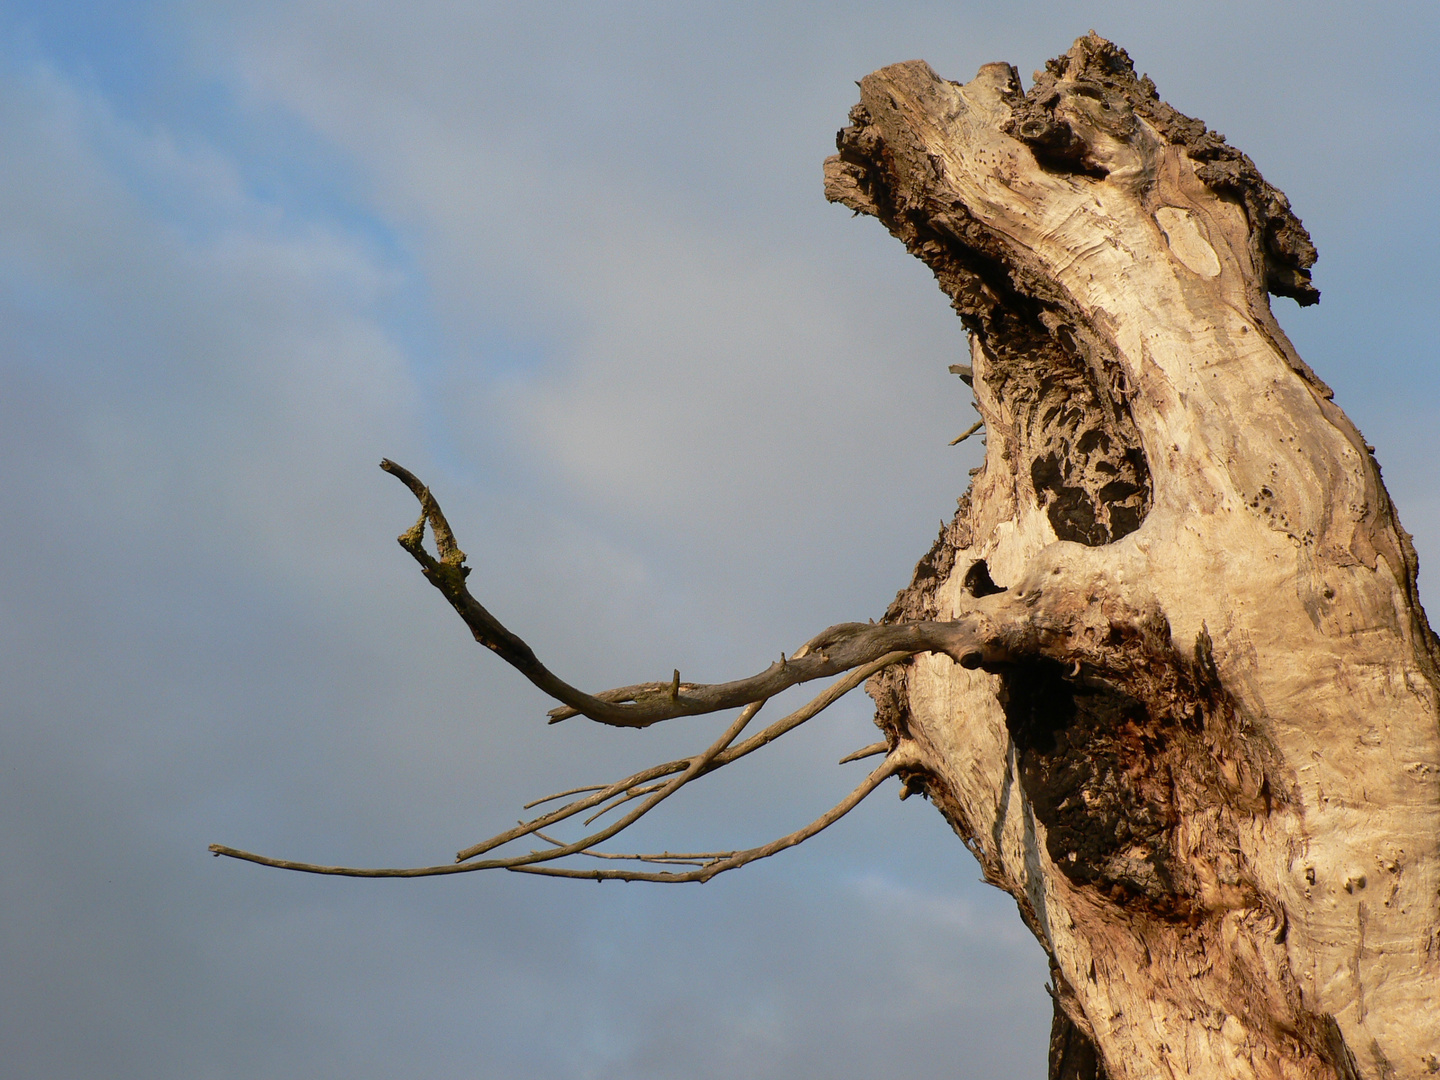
column 1166, row 673
column 1207, row 764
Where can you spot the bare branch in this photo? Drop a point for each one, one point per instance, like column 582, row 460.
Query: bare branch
column 527, row 828
column 692, row 769
column 698, row 858
column 725, row 756
column 532, row 863
column 717, row 755
column 853, row 650
column 837, row 649
column 739, row 858
column 763, row 738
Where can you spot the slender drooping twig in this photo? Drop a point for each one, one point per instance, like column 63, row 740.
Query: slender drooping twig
column 739, row 858
column 534, row 862
column 560, row 795
column 717, row 755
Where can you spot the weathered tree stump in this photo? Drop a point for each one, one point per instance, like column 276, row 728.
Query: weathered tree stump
column 1206, row 761
column 1166, row 673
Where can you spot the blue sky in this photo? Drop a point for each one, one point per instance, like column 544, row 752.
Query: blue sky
column 571, row 264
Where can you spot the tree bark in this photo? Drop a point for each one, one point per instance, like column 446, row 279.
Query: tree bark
column 1209, row 771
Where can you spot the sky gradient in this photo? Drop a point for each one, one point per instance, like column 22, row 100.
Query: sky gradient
column 573, row 266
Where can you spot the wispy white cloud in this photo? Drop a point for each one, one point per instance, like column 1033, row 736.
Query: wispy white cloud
column 694, row 368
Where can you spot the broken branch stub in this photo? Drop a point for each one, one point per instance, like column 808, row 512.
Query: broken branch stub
column 1214, row 788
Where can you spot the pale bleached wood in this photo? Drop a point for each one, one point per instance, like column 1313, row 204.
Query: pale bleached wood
column 1259, row 892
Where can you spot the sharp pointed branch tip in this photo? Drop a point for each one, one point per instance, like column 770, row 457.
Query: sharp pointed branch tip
column 967, row 433
column 863, row 752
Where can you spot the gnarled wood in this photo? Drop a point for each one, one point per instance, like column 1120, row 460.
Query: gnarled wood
column 1213, row 783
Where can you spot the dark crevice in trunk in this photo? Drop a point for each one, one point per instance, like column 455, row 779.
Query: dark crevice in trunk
column 1097, row 769
column 1072, row 436
column 1072, row 1055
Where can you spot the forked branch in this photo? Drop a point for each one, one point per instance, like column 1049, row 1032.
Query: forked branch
column 855, row 651
column 719, row 754
column 835, row 650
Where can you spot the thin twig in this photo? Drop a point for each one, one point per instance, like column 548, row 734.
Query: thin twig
column 525, row 828
column 528, row 864
column 696, row 858
column 562, row 794
column 763, row 738
column 739, row 858
column 718, row 755
column 621, row 800
column 692, row 769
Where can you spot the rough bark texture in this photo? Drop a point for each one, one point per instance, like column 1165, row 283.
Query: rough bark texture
column 1209, row 772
